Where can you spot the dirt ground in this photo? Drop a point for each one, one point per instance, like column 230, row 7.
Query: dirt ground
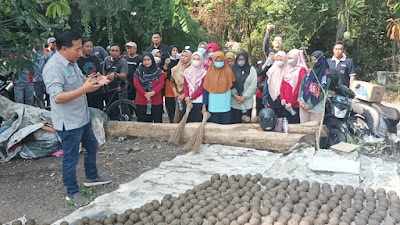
column 34, row 187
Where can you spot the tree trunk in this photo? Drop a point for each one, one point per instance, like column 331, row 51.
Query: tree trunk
column 240, row 135
column 249, row 45
column 395, row 55
column 341, row 27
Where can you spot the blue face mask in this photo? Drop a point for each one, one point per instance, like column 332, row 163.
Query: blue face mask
column 177, row 56
column 202, row 50
column 219, row 64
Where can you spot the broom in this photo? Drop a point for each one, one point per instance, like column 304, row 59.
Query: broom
column 195, row 142
column 177, row 135
column 177, row 114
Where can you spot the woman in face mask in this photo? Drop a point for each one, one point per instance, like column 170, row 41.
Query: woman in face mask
column 243, row 88
column 169, row 93
column 230, row 58
column 217, row 90
column 157, row 56
column 311, row 94
column 211, row 49
column 178, row 80
column 292, row 76
column 272, row 86
column 149, row 81
column 262, row 73
column 194, row 81
column 202, row 48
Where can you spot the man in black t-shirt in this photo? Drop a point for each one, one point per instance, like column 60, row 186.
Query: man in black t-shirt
column 90, row 64
column 116, row 69
column 133, row 60
column 156, row 39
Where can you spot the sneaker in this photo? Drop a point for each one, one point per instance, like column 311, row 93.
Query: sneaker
column 78, row 199
column 99, row 181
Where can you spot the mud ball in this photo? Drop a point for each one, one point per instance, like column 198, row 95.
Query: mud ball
column 345, row 218
column 110, row 220
column 360, row 221
column 254, row 221
column 176, row 222
column 334, row 221
column 186, row 221
column 30, row 222
column 80, row 222
column 318, row 221
column 62, row 223
column 344, row 223
column 86, row 219
column 122, row 218
column 304, row 222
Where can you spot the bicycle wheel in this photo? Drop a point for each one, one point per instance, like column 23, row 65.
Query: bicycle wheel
column 125, row 108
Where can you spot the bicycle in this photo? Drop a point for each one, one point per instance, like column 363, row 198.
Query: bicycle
column 126, row 108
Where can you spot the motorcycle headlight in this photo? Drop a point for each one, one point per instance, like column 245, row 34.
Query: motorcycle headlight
column 339, row 113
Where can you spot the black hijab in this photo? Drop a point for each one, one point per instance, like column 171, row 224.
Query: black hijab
column 147, row 74
column 241, row 73
column 173, row 62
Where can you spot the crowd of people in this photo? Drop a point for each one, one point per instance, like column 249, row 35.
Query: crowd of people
column 201, row 79
column 75, row 74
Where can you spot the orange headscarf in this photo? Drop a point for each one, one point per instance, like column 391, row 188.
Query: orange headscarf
column 219, row 80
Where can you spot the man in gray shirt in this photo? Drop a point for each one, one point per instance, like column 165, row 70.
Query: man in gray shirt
column 67, row 87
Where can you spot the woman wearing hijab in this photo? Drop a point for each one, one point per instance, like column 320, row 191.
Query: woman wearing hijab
column 217, row 90
column 169, row 93
column 243, row 88
column 211, row 49
column 178, row 78
column 262, row 74
column 149, row 81
column 272, row 87
column 202, row 48
column 194, row 81
column 292, row 77
column 157, row 56
column 230, row 58
column 311, row 93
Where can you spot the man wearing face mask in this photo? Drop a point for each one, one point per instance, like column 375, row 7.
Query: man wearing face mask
column 262, row 73
column 116, row 68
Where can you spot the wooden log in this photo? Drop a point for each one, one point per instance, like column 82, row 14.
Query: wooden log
column 240, row 135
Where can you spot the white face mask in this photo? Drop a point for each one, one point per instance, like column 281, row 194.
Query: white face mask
column 279, row 63
column 196, row 63
column 241, row 63
column 291, row 62
column 157, row 60
column 211, row 55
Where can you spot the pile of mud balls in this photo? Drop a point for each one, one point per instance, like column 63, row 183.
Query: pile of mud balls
column 258, row 200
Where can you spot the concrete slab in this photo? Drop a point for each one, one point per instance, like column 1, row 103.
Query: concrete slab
column 335, row 165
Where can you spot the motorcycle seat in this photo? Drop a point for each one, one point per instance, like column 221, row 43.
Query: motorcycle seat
column 387, row 111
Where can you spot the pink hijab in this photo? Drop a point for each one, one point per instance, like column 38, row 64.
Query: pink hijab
column 194, row 75
column 291, row 73
column 275, row 76
column 208, row 61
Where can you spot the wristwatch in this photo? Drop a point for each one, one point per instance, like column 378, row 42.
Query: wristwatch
column 190, row 97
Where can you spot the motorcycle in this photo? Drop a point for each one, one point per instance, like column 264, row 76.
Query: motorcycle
column 337, row 111
column 345, row 115
column 6, row 87
column 374, row 118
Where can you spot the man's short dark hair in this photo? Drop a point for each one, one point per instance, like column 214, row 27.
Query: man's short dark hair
column 156, row 33
column 115, row 44
column 65, row 38
column 86, row 39
column 341, row 43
